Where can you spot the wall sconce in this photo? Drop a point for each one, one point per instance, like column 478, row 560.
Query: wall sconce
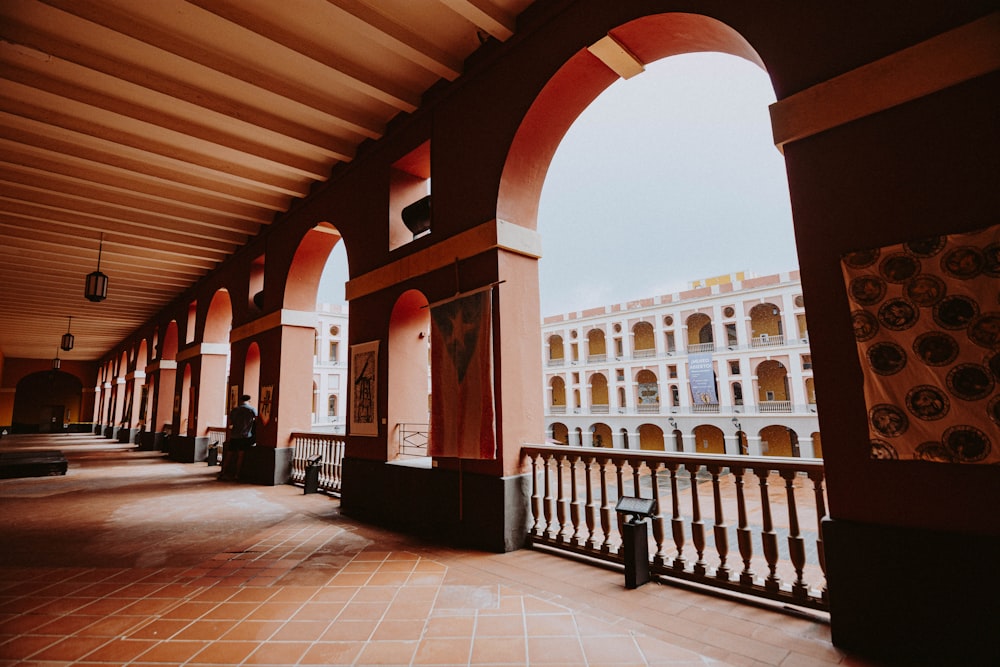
column 97, row 283
column 67, row 338
column 672, row 422
column 736, row 423
column 421, row 335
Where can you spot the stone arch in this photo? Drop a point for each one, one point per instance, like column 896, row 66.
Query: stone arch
column 699, row 329
column 709, row 439
column 306, row 269
column 560, row 433
column 601, row 435
column 596, row 344
column 557, row 389
column 643, row 339
column 765, row 324
column 598, row 390
column 409, row 365
column 772, row 381
column 651, row 437
column 579, row 81
column 557, row 351
column 778, row 440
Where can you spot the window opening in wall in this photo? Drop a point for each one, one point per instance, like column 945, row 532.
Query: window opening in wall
column 191, row 322
column 334, row 351
column 587, row 238
column 807, row 362
column 410, row 197
column 620, row 374
column 619, row 348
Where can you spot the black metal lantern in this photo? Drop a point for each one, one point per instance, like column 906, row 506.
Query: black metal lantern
column 97, row 283
column 57, row 362
column 67, row 338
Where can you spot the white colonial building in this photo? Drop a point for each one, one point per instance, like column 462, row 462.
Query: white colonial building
column 723, row 367
column 330, row 369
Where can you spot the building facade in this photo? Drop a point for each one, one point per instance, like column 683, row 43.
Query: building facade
column 723, row 367
column 330, row 368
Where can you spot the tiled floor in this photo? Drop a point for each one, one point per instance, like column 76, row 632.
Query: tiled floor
column 133, row 560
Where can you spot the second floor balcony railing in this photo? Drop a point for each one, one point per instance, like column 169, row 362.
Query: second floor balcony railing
column 600, row 409
column 769, row 508
column 648, row 408
column 767, row 340
column 774, row 406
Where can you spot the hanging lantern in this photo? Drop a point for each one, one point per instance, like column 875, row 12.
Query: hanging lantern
column 97, row 283
column 68, row 338
column 57, row 362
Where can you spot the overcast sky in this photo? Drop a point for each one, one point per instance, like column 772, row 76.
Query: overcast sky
column 667, row 177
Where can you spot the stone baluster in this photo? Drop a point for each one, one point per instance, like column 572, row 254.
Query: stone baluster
column 562, row 502
column 658, row 528
column 817, row 480
column 536, row 498
column 697, row 525
column 796, row 544
column 676, row 521
column 743, row 533
column 769, row 538
column 720, row 529
column 547, row 500
column 606, row 509
column 591, row 505
column 574, row 506
column 620, row 488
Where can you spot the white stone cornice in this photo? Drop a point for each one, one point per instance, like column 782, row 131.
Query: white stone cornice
column 278, row 318
column 203, row 350
column 494, row 234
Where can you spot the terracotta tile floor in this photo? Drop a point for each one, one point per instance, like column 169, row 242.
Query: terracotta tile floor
column 133, row 560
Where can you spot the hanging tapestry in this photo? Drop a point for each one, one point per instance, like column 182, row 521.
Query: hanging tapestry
column 926, row 317
column 462, row 416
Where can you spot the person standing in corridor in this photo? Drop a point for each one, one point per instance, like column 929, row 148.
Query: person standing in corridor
column 242, row 419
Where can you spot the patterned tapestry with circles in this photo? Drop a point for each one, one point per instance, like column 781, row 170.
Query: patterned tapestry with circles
column 926, row 316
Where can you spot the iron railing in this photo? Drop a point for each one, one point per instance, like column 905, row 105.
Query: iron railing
column 575, row 490
column 413, row 440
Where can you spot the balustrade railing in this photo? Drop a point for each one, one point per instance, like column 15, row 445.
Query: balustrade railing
column 648, row 408
column 774, row 406
column 701, row 347
column 575, row 490
column 644, row 354
column 329, row 447
column 768, row 340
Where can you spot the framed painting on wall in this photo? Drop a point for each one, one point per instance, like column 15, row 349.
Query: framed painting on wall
column 364, row 389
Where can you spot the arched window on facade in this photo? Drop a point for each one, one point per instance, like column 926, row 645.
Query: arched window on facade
column 643, row 340
column 599, row 394
column 597, row 350
column 699, row 333
column 766, row 329
column 557, row 351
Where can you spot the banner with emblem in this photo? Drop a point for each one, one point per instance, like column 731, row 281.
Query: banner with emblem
column 926, row 317
column 462, row 413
